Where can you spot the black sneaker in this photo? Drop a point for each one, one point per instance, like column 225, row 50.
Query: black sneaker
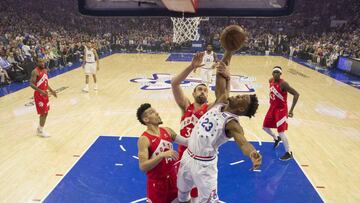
column 287, row 156
column 277, row 143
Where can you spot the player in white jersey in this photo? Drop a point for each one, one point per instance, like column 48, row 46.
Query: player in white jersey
column 198, row 165
column 90, row 65
column 209, row 59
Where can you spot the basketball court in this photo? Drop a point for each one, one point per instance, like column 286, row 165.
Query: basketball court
column 324, row 135
column 91, row 155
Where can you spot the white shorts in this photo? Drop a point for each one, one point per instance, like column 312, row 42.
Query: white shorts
column 206, row 75
column 90, row 68
column 200, row 174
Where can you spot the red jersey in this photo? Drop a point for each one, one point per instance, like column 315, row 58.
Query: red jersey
column 188, row 121
column 157, row 145
column 278, row 98
column 41, row 80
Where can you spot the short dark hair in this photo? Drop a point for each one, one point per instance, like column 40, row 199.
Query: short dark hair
column 253, row 106
column 140, row 111
column 201, row 84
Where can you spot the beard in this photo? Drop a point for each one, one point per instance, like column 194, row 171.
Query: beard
column 201, row 99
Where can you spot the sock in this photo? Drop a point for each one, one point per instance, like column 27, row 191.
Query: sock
column 270, row 132
column 40, row 128
column 285, row 141
column 87, row 86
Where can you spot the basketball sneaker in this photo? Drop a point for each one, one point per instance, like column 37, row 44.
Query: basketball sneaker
column 277, row 143
column 42, row 133
column 287, row 156
column 86, row 89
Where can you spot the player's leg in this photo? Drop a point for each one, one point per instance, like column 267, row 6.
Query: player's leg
column 281, row 123
column 95, row 80
column 269, row 122
column 156, row 191
column 40, row 129
column 42, row 108
column 208, row 76
column 184, row 179
column 205, row 179
column 86, row 88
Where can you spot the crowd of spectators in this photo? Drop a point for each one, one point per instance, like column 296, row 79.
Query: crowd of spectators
column 56, row 31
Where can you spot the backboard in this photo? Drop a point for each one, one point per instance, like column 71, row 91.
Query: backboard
column 187, row 8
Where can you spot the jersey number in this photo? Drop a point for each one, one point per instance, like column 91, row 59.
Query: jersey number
column 207, row 125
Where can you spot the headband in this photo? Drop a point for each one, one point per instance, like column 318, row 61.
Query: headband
column 277, row 69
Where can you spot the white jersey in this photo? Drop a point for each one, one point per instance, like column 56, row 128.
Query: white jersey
column 208, row 60
column 89, row 55
column 209, row 132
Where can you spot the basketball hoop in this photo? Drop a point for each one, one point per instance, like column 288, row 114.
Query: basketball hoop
column 186, row 29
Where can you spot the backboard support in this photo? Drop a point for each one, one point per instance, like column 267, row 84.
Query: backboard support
column 187, row 8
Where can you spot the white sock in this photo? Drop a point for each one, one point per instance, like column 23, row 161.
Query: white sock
column 87, row 86
column 40, row 128
column 285, row 141
column 270, row 132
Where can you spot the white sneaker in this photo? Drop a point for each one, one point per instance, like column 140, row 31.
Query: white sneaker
column 42, row 133
column 95, row 87
column 86, row 89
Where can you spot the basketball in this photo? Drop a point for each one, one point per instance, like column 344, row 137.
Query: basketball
column 232, row 38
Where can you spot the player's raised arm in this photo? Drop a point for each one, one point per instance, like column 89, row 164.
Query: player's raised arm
column 222, row 87
column 180, row 98
column 234, row 130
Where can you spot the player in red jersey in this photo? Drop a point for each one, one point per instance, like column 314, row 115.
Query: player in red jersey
column 157, row 157
column 278, row 112
column 191, row 112
column 39, row 82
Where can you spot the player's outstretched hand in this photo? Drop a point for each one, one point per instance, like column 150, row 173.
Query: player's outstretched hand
column 170, row 154
column 256, row 159
column 197, row 60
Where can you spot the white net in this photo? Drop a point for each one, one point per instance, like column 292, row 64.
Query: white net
column 185, row 29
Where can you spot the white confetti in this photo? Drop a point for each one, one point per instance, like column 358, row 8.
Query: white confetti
column 139, row 200
column 122, row 148
column 135, row 157
column 237, row 162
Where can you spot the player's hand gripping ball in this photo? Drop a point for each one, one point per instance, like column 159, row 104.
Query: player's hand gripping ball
column 232, row 38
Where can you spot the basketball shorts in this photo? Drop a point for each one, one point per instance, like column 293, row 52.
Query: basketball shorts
column 90, row 68
column 41, row 103
column 202, row 174
column 276, row 118
column 161, row 190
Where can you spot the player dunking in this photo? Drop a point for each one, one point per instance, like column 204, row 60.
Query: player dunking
column 157, row 157
column 198, row 165
column 277, row 114
column 39, row 82
column 209, row 59
column 191, row 112
column 90, row 65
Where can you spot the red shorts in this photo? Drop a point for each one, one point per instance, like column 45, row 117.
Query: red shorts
column 276, row 118
column 41, row 103
column 161, row 190
column 181, row 149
